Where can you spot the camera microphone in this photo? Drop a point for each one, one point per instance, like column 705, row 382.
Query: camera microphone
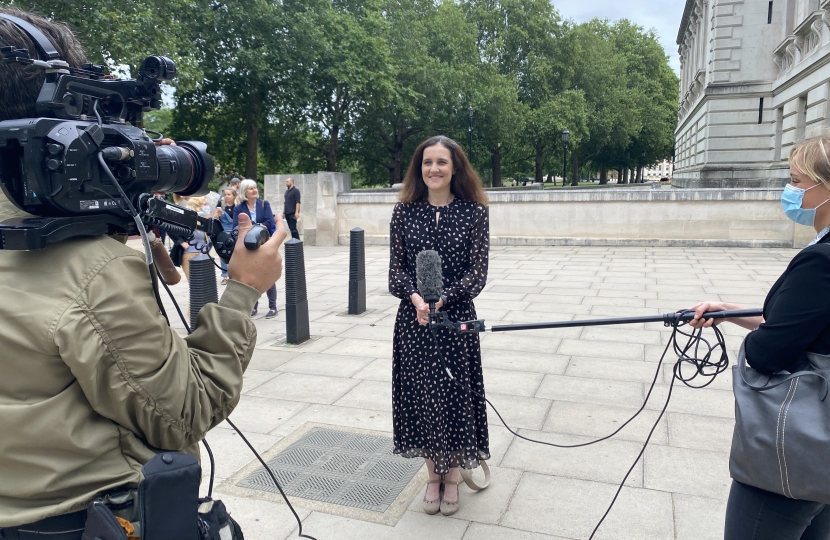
column 429, row 277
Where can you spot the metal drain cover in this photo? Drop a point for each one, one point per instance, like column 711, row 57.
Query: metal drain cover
column 338, row 467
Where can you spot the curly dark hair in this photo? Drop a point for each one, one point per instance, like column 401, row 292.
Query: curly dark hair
column 20, row 86
column 465, row 182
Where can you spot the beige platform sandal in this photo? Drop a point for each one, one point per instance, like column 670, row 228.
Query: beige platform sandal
column 466, row 476
column 432, row 507
column 450, row 508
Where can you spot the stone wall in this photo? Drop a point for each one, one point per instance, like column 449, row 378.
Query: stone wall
column 585, row 217
column 614, row 217
column 318, row 209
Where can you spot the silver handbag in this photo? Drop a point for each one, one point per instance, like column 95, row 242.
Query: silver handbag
column 781, row 441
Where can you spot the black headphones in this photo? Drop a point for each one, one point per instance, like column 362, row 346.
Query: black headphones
column 46, row 48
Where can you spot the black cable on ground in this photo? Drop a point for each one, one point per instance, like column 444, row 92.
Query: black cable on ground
column 239, row 432
column 212, row 467
column 703, row 367
column 274, row 478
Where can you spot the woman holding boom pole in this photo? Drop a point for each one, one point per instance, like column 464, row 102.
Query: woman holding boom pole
column 795, row 324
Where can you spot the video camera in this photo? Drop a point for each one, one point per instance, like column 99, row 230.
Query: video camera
column 86, row 167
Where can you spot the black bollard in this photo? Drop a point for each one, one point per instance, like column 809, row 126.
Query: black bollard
column 296, row 298
column 202, row 285
column 357, row 272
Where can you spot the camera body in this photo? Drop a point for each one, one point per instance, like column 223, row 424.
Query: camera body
column 86, row 166
column 48, row 166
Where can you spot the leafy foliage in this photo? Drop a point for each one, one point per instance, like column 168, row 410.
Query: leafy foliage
column 304, row 85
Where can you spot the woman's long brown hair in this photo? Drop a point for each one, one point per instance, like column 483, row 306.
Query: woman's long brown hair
column 465, row 183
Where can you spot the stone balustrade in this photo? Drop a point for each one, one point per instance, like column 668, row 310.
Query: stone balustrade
column 590, row 217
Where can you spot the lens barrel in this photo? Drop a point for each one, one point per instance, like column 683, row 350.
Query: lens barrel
column 185, row 169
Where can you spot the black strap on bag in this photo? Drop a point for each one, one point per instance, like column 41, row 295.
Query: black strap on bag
column 101, row 524
column 169, row 497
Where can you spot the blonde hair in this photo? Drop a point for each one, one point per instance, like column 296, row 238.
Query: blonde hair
column 235, row 195
column 812, row 158
column 196, row 203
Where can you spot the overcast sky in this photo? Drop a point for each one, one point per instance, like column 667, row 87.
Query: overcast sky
column 661, row 15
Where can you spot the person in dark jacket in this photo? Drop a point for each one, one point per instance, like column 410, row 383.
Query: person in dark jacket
column 796, row 320
column 260, row 212
column 291, row 208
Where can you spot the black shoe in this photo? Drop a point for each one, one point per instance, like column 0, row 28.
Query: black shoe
column 253, row 312
column 271, row 314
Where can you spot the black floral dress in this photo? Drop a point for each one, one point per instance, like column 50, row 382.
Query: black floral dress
column 433, row 417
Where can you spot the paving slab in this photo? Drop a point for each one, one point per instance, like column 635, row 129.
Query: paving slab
column 571, row 508
column 572, row 384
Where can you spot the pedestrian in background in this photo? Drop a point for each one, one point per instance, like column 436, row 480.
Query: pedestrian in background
column 224, row 214
column 292, row 207
column 199, row 241
column 260, row 212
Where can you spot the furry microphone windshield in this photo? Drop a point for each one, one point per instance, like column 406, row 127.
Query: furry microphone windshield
column 429, row 276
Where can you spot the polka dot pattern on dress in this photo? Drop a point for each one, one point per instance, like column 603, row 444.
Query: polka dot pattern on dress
column 433, row 417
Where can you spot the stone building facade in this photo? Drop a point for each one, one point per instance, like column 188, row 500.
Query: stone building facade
column 754, row 80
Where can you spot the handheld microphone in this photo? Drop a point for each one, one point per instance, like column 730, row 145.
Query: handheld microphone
column 429, row 277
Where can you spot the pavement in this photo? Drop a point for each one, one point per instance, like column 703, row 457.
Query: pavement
column 564, row 386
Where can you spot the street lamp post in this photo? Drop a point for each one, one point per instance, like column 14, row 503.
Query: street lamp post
column 566, row 136
column 471, row 111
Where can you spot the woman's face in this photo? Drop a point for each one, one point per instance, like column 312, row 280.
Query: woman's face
column 228, row 197
column 251, row 193
column 437, row 167
column 813, row 197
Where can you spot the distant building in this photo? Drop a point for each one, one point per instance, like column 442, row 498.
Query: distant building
column 754, row 80
column 658, row 171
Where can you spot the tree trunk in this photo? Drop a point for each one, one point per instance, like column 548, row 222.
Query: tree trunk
column 603, row 174
column 331, row 155
column 397, row 160
column 625, row 175
column 539, row 157
column 495, row 162
column 252, row 140
column 575, row 171
column 550, row 178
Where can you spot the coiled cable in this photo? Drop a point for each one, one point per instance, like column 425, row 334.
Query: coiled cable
column 697, row 353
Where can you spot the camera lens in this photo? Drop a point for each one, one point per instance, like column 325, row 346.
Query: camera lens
column 185, row 169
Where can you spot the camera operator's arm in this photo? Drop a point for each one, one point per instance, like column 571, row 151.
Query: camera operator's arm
column 165, row 265
column 141, row 374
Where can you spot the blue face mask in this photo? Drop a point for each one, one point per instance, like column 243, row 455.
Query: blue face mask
column 791, row 203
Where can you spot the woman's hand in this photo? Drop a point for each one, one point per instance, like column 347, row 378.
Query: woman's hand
column 421, row 308
column 750, row 323
column 705, row 307
column 185, row 245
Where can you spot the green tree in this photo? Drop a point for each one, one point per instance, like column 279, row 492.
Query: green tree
column 240, row 47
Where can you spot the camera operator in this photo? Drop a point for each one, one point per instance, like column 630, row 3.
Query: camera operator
column 94, row 381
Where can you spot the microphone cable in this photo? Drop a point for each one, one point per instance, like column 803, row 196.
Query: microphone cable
column 239, row 432
column 697, row 353
column 155, row 273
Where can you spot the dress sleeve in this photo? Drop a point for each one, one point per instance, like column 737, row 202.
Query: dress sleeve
column 474, row 280
column 799, row 313
column 400, row 282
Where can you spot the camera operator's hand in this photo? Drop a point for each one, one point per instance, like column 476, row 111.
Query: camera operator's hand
column 261, row 267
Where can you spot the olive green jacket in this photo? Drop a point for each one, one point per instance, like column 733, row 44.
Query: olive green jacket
column 92, row 380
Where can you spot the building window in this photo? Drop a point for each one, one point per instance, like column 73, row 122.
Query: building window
column 769, row 14
column 761, row 111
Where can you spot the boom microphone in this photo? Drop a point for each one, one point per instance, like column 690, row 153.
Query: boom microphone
column 429, row 277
